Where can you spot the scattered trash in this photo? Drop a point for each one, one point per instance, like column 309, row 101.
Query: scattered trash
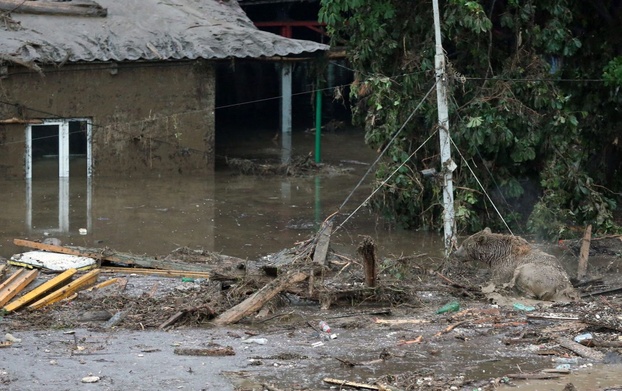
column 259, row 341
column 187, row 279
column 584, row 339
column 83, row 231
column 452, row 306
column 566, row 360
column 116, row 319
column 90, row 379
column 563, row 367
column 523, row 307
column 52, row 261
column 324, row 326
column 317, row 344
column 11, row 338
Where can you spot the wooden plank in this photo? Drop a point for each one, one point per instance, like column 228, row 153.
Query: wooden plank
column 103, row 284
column 121, row 258
column 259, row 298
column 40, row 290
column 155, row 272
column 14, row 284
column 55, row 249
column 585, row 253
column 321, row 249
column 66, row 291
column 15, row 120
column 75, row 8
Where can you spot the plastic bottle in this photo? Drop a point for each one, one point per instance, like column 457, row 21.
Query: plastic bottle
column 324, row 326
column 449, row 307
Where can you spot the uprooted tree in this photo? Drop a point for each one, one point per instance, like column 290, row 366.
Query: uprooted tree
column 534, row 107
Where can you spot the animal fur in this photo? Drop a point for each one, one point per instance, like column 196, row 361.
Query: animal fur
column 514, row 263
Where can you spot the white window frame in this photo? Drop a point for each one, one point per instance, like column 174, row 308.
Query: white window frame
column 63, row 146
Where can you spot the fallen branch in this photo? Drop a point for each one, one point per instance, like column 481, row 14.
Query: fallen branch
column 450, row 328
column 579, row 349
column 213, row 352
column 350, row 384
column 533, row 376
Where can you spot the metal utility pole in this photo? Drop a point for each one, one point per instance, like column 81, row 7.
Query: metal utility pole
column 447, row 164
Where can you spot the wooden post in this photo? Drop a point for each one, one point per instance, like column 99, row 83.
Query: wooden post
column 585, row 253
column 367, row 249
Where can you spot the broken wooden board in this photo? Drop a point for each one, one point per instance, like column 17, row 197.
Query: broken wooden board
column 75, row 8
column 66, row 291
column 259, row 298
column 40, row 290
column 321, row 248
column 52, row 261
column 15, row 283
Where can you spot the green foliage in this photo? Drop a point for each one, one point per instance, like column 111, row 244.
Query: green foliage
column 613, row 72
column 535, row 142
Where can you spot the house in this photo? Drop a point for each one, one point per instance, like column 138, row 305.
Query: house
column 120, row 87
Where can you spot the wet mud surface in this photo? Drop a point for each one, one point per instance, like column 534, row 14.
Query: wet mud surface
column 391, row 339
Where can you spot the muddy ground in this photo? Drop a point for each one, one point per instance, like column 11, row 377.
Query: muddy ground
column 386, row 338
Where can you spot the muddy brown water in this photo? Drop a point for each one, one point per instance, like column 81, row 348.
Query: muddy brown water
column 237, row 215
column 247, row 217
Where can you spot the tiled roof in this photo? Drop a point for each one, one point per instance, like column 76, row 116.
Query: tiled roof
column 145, row 30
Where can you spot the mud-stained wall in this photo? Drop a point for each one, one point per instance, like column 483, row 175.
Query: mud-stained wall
column 148, row 118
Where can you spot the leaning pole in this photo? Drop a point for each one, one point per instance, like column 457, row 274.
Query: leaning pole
column 447, row 164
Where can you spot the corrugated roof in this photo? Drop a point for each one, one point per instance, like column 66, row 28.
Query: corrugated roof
column 146, row 30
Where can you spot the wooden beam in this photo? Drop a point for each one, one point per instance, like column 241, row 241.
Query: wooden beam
column 74, row 8
column 74, row 286
column 55, row 249
column 40, row 290
column 259, row 298
column 155, row 272
column 15, row 120
column 120, row 258
column 14, row 284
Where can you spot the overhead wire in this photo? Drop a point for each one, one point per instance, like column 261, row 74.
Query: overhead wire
column 380, row 156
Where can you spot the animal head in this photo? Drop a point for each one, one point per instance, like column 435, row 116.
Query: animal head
column 491, row 248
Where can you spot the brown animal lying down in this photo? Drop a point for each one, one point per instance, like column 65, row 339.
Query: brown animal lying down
column 515, row 264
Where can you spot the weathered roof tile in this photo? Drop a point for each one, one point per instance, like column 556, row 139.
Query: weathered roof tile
column 147, row 30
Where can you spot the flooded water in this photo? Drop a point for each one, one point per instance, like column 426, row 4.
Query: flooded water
column 237, row 215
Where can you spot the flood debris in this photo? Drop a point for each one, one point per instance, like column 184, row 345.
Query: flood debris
column 212, row 352
column 279, row 293
column 15, row 283
column 52, row 261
